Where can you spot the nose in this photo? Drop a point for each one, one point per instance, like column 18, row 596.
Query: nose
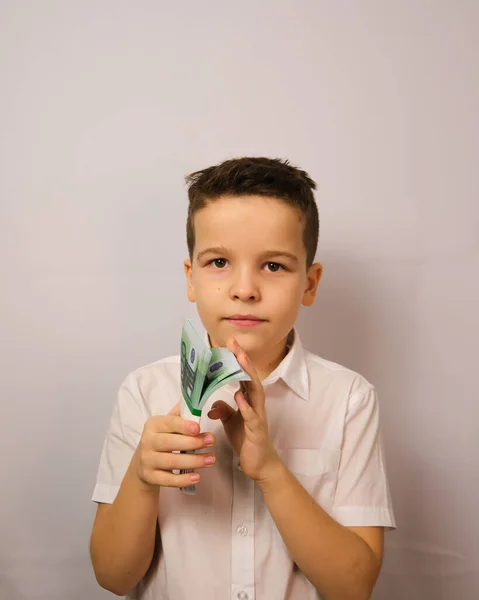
column 245, row 286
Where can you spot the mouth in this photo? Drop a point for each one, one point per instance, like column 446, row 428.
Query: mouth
column 245, row 320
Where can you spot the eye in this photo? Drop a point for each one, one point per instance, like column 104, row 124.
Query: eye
column 218, row 263
column 274, row 267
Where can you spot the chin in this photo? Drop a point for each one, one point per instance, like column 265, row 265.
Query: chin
column 249, row 340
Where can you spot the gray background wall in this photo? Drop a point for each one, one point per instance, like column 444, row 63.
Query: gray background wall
column 104, row 107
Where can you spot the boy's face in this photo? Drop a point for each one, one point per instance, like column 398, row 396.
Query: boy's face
column 249, row 261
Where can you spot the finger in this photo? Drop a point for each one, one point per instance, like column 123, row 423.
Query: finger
column 173, row 424
column 255, row 390
column 169, row 461
column 167, row 479
column 175, row 410
column 169, row 442
column 221, row 410
column 248, row 413
column 245, row 362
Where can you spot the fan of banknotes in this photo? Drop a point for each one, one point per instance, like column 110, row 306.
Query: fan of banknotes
column 203, row 371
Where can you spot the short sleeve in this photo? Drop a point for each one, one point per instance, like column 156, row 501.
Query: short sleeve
column 362, row 496
column 123, row 434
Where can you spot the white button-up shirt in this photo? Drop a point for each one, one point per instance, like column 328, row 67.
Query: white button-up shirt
column 222, row 543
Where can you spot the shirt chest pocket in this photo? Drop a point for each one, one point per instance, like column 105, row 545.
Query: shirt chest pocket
column 316, row 470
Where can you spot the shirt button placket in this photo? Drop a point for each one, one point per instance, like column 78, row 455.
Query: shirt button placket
column 242, row 538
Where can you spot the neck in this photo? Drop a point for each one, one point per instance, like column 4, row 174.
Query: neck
column 267, row 363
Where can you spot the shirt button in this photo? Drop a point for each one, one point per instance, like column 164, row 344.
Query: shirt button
column 242, row 530
column 242, row 595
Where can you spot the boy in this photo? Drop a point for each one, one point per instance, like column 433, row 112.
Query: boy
column 292, row 497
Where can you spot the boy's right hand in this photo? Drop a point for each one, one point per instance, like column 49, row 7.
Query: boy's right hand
column 154, row 457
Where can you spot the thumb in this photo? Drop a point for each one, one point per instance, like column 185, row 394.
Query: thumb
column 175, row 410
column 221, row 410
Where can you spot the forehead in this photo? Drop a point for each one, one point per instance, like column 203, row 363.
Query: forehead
column 249, row 221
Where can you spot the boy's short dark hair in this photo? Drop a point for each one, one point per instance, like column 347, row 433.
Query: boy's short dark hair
column 256, row 176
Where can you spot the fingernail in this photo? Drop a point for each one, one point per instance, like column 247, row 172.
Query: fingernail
column 209, row 440
column 194, row 478
column 210, row 459
column 192, row 428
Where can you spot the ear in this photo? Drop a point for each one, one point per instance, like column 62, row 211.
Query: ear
column 313, row 278
column 189, row 280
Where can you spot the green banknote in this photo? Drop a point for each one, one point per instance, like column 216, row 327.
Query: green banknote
column 203, row 369
column 195, row 358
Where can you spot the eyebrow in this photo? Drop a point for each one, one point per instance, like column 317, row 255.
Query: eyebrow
column 268, row 254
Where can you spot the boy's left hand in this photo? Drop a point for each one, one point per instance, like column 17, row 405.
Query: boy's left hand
column 247, row 427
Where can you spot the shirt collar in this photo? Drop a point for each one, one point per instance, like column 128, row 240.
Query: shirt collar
column 292, row 369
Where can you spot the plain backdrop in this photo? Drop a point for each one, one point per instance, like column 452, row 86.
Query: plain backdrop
column 105, row 106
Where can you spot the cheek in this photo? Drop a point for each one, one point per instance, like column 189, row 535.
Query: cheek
column 208, row 291
column 287, row 296
column 210, row 280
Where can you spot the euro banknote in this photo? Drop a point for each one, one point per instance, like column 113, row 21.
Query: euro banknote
column 204, row 370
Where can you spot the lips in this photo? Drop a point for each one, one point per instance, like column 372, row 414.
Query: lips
column 245, row 320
